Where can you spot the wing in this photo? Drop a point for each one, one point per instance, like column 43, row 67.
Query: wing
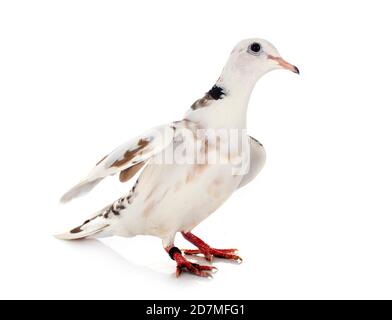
column 257, row 161
column 126, row 160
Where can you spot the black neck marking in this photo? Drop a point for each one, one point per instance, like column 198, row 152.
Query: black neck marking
column 216, row 92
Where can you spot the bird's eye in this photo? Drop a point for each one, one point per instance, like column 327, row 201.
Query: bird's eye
column 254, row 48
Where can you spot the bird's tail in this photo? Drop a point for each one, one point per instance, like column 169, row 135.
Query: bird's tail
column 96, row 226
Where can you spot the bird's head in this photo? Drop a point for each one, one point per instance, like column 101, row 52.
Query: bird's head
column 252, row 58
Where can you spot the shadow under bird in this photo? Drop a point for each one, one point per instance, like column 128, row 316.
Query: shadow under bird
column 175, row 196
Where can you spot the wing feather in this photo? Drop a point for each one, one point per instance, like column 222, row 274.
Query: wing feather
column 257, row 161
column 126, row 160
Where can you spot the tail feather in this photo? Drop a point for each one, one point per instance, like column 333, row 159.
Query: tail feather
column 91, row 227
column 80, row 189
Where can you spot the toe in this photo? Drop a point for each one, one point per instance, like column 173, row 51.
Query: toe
column 196, row 269
column 191, row 251
column 233, row 251
column 178, row 271
column 204, row 268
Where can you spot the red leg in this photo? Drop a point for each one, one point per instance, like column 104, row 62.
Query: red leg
column 207, row 251
column 184, row 265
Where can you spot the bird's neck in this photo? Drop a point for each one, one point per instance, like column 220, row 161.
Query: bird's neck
column 225, row 105
column 237, row 89
column 238, row 82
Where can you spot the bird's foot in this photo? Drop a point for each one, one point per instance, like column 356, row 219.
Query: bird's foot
column 209, row 253
column 185, row 265
column 194, row 268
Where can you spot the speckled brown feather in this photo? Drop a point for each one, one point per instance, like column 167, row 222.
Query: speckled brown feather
column 131, row 153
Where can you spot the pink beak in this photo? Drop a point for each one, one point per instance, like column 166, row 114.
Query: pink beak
column 284, row 64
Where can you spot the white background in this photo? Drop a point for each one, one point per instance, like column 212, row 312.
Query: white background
column 77, row 78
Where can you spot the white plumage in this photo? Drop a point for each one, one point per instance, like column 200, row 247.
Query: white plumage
column 190, row 167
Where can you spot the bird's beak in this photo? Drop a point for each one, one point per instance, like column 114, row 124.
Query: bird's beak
column 284, row 64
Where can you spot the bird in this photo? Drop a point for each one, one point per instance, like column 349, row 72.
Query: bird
column 186, row 169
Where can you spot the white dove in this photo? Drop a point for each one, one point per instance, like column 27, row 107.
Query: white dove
column 190, row 167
